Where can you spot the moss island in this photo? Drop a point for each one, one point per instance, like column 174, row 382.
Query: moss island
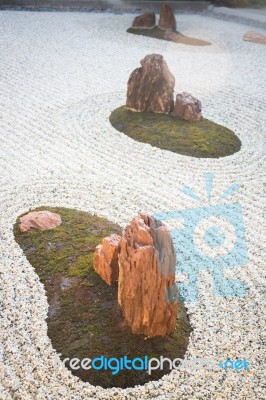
column 84, row 319
column 201, row 139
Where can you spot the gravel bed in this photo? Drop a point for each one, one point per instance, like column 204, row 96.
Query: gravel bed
column 61, row 76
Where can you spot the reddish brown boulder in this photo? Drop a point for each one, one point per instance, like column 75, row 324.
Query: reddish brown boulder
column 39, row 221
column 146, row 284
column 254, row 37
column 146, row 20
column 167, row 19
column 187, row 107
column 151, row 87
column 105, row 261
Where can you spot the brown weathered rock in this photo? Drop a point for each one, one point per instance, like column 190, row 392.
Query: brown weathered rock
column 187, row 107
column 254, row 37
column 146, row 20
column 39, row 221
column 167, row 19
column 146, row 284
column 105, row 260
column 151, row 87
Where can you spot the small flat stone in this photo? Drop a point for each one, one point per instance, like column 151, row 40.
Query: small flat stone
column 254, row 37
column 39, row 221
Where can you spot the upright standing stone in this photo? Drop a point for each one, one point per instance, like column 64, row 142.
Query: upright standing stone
column 167, row 19
column 146, row 284
column 146, row 20
column 151, row 87
column 187, row 107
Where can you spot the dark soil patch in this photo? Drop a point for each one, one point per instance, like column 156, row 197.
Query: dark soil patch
column 201, row 139
column 162, row 34
column 84, row 319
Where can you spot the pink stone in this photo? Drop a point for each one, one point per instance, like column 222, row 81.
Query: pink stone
column 254, row 37
column 39, row 221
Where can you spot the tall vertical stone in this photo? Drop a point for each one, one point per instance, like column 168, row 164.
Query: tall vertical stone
column 167, row 19
column 151, row 87
column 146, row 284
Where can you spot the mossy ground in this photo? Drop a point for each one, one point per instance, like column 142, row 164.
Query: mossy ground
column 84, row 319
column 202, row 139
column 176, row 37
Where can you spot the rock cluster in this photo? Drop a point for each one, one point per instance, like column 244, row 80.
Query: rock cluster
column 146, row 20
column 187, row 107
column 105, row 261
column 151, row 87
column 39, row 221
column 143, row 261
column 145, row 24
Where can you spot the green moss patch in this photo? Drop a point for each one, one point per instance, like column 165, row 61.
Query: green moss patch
column 202, row 139
column 175, row 37
column 84, row 319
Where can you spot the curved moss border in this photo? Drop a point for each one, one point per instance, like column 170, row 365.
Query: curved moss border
column 84, row 319
column 201, row 139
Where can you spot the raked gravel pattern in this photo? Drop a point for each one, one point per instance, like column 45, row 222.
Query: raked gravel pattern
column 61, row 75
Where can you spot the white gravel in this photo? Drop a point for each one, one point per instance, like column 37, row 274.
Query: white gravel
column 60, row 76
